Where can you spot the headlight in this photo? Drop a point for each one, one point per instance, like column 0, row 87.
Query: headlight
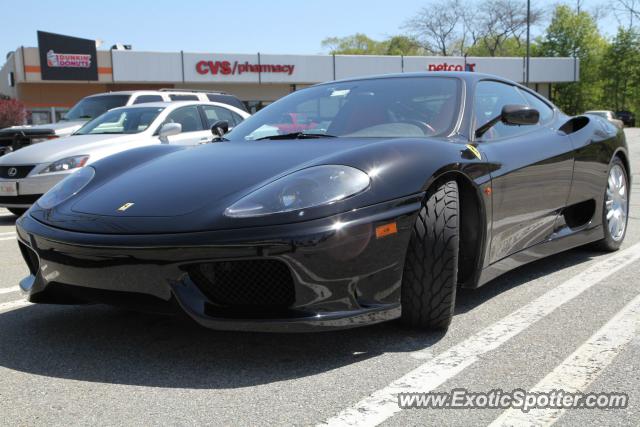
column 66, row 164
column 315, row 186
column 67, row 188
column 44, row 138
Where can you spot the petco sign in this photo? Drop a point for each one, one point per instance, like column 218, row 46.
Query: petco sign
column 451, row 67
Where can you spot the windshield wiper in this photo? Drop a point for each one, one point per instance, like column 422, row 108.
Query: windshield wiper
column 298, row 135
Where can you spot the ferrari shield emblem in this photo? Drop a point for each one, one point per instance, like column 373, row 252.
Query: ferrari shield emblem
column 475, row 151
column 125, row 206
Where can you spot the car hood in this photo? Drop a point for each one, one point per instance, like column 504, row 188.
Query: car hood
column 188, row 180
column 74, row 145
column 175, row 190
column 62, row 128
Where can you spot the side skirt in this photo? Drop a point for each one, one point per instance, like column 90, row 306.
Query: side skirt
column 560, row 243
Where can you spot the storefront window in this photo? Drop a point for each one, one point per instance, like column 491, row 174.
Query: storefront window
column 39, row 117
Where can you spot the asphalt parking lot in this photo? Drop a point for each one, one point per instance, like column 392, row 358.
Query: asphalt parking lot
column 571, row 321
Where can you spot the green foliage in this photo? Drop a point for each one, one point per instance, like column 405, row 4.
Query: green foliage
column 402, row 45
column 573, row 33
column 360, row 44
column 508, row 47
column 357, row 44
column 621, row 72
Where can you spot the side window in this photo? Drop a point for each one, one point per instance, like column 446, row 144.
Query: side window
column 214, row 114
column 178, row 97
column 546, row 112
column 490, row 97
column 237, row 118
column 188, row 117
column 148, row 98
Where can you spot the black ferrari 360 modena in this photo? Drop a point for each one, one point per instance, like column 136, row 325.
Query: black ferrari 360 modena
column 343, row 204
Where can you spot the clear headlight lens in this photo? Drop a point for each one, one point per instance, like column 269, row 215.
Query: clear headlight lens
column 44, row 138
column 67, row 188
column 315, row 186
column 66, row 164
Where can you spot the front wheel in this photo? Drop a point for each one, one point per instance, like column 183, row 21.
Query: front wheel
column 615, row 211
column 431, row 265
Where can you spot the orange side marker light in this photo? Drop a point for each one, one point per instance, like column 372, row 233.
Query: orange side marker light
column 386, row 230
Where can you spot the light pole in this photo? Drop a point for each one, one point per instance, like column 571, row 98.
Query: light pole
column 528, row 40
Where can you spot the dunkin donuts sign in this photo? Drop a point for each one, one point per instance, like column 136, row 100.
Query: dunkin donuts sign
column 67, row 58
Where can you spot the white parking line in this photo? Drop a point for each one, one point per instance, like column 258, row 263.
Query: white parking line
column 8, row 238
column 9, row 290
column 9, row 233
column 581, row 368
column 12, row 305
column 382, row 404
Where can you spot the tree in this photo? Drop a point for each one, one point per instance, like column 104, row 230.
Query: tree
column 357, row 44
column 499, row 26
column 509, row 46
column 403, row 45
column 360, row 44
column 12, row 112
column 573, row 33
column 438, row 26
column 621, row 71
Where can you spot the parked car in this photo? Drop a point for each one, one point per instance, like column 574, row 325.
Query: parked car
column 608, row 115
column 16, row 137
column 627, row 118
column 410, row 186
column 28, row 173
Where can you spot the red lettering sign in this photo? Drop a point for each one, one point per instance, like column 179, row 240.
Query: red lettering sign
column 227, row 68
column 452, row 67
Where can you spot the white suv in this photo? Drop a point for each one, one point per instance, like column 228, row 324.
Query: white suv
column 15, row 137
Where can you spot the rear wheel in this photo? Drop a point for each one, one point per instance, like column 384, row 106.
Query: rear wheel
column 17, row 211
column 615, row 209
column 431, row 265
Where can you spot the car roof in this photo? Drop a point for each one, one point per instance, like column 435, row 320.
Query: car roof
column 171, row 104
column 158, row 92
column 469, row 76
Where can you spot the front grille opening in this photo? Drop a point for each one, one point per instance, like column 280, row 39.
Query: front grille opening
column 246, row 285
column 30, row 258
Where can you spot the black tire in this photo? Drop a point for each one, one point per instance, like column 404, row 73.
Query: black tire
column 608, row 244
column 17, row 211
column 431, row 265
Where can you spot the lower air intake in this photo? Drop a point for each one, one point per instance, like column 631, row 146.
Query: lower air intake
column 260, row 284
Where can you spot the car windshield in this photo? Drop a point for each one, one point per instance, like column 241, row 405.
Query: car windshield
column 93, row 106
column 121, row 121
column 376, row 108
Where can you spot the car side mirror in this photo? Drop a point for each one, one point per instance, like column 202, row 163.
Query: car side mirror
column 513, row 115
column 167, row 130
column 519, row 115
column 219, row 128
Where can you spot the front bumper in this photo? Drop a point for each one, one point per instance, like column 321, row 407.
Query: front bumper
column 30, row 189
column 342, row 274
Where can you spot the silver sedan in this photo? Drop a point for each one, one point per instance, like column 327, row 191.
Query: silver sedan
column 28, row 173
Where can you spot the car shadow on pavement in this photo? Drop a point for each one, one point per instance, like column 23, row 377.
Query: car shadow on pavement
column 8, row 219
column 103, row 344
column 468, row 299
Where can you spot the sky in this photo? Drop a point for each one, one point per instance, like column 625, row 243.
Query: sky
column 227, row 26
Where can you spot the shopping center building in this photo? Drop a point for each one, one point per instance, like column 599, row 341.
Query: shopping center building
column 257, row 79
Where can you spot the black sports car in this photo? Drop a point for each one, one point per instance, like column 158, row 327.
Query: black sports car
column 390, row 193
